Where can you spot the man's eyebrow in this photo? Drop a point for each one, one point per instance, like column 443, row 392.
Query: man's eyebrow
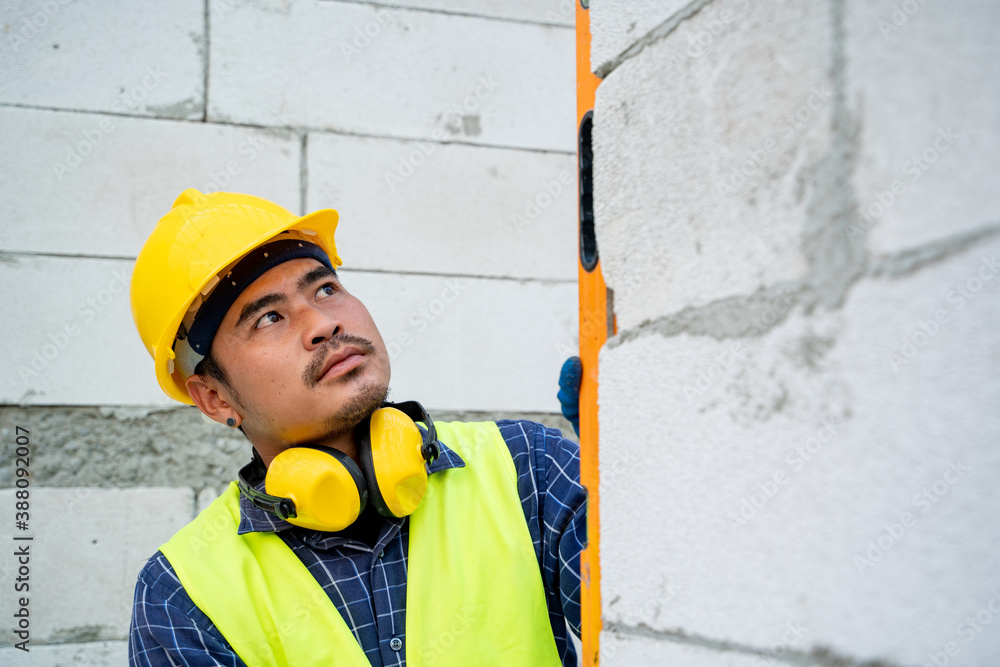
column 314, row 275
column 256, row 305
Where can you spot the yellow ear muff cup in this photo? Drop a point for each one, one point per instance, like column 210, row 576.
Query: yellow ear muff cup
column 393, row 463
column 326, row 486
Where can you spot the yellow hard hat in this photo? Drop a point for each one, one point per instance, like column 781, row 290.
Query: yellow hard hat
column 202, row 236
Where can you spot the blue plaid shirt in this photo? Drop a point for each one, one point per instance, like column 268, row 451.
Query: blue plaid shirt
column 368, row 583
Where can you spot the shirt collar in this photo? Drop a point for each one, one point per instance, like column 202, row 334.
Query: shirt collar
column 255, row 520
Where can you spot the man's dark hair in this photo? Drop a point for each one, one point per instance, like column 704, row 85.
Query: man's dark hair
column 209, row 367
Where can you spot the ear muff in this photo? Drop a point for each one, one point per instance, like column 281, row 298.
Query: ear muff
column 323, row 489
column 310, row 486
column 325, row 485
column 391, row 452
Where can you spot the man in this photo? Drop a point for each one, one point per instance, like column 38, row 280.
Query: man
column 239, row 304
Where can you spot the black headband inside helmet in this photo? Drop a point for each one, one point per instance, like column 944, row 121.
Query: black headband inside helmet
column 254, row 264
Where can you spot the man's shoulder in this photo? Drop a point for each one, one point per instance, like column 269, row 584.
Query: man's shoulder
column 158, row 574
column 159, row 586
column 524, row 434
column 165, row 620
column 158, row 577
column 533, row 445
column 542, row 452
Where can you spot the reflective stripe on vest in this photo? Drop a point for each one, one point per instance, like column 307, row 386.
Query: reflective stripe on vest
column 474, row 593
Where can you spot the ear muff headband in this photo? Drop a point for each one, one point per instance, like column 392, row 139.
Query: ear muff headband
column 415, row 411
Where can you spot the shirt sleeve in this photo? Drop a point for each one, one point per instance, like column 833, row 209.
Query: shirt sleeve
column 555, row 506
column 168, row 628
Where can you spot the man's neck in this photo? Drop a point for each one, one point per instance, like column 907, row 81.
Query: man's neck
column 268, row 448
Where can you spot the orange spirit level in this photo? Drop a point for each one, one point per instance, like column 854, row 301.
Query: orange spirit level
column 596, row 324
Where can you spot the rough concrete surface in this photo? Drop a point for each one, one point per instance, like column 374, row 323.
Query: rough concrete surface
column 642, row 648
column 92, row 654
column 135, row 447
column 810, row 426
column 922, row 83
column 118, row 56
column 380, row 71
column 714, row 169
column 616, row 25
column 837, row 472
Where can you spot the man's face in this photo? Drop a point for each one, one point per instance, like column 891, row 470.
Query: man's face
column 304, row 356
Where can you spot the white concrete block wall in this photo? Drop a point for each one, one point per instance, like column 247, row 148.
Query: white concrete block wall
column 73, row 352
column 423, row 207
column 948, row 96
column 89, row 545
column 95, row 184
column 445, row 336
column 380, row 71
column 449, row 338
column 731, row 160
column 116, row 56
column 108, row 110
column 804, row 409
column 556, row 12
column 84, row 189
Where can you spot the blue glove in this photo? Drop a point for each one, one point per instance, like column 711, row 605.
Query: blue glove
column 569, row 391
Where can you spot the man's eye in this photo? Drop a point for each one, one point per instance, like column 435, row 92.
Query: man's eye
column 325, row 290
column 267, row 319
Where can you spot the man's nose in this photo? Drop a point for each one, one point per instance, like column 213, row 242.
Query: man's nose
column 319, row 326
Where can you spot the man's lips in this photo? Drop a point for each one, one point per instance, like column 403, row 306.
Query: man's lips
column 337, row 356
column 340, row 362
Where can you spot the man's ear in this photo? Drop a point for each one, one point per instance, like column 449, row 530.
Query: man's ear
column 205, row 394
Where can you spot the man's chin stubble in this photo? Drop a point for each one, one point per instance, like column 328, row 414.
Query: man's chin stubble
column 369, row 397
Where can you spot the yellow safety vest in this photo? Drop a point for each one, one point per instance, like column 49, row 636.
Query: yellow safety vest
column 474, row 594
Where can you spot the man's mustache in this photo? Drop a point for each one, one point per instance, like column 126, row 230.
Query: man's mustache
column 331, row 347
